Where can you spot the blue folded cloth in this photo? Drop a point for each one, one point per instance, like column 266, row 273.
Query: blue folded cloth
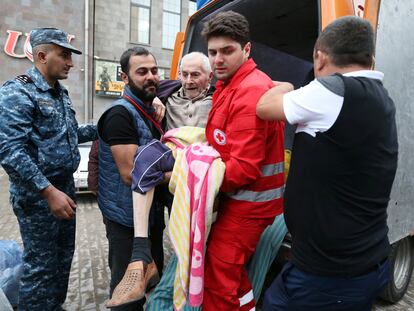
column 150, row 163
column 11, row 269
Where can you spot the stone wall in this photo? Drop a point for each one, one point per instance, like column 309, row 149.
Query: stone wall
column 23, row 16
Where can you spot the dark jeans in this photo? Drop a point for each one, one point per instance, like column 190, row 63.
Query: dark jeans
column 120, row 240
column 296, row 290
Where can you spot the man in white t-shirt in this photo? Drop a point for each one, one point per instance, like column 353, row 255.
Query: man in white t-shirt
column 344, row 160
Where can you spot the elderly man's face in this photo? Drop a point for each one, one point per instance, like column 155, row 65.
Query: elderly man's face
column 194, row 77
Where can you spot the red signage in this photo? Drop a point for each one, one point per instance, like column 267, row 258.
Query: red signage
column 11, row 42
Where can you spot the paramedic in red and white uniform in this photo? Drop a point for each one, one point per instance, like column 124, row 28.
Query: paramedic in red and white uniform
column 253, row 152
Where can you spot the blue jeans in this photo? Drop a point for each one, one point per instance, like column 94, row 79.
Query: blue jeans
column 296, row 290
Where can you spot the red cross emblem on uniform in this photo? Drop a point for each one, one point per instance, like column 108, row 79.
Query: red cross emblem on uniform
column 219, row 137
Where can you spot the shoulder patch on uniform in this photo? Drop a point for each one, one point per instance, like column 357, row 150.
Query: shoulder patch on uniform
column 334, row 83
column 24, row 79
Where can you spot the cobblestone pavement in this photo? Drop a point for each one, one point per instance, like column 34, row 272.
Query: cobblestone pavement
column 88, row 288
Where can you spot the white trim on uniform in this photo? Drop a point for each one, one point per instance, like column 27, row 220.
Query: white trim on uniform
column 246, row 298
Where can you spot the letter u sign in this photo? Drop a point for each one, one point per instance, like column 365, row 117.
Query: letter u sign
column 11, row 42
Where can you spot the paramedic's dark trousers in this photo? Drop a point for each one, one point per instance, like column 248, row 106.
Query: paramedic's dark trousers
column 296, row 290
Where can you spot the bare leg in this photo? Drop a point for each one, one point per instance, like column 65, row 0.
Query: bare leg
column 142, row 206
column 141, row 272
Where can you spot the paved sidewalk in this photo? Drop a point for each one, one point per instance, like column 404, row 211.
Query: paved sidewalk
column 89, row 278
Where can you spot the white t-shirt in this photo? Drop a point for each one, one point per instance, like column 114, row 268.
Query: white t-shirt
column 316, row 106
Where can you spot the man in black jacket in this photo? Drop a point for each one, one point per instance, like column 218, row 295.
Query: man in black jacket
column 344, row 160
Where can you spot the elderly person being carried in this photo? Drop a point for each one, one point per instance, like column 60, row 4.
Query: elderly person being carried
column 188, row 102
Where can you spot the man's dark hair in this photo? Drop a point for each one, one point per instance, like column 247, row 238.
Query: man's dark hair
column 227, row 24
column 136, row 50
column 348, row 40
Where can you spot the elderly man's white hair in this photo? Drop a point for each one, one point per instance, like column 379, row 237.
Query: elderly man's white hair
column 204, row 60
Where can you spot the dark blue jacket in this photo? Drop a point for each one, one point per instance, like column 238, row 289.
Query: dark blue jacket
column 114, row 196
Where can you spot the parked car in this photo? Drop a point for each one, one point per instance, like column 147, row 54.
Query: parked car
column 81, row 174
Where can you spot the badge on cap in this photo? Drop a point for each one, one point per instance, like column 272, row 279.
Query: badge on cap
column 219, row 137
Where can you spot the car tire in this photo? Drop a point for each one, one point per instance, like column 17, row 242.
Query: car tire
column 401, row 268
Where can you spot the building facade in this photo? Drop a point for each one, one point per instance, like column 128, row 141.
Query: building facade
column 102, row 29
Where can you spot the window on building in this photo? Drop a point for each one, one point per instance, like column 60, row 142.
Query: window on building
column 171, row 22
column 140, row 21
column 163, row 73
column 192, row 7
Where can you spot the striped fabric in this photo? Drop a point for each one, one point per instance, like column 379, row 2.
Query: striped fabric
column 181, row 137
column 266, row 252
column 267, row 248
column 161, row 299
column 195, row 181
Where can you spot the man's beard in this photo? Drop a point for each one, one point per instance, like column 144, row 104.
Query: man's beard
column 141, row 93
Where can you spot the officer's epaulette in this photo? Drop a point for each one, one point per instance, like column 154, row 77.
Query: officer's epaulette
column 24, row 79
